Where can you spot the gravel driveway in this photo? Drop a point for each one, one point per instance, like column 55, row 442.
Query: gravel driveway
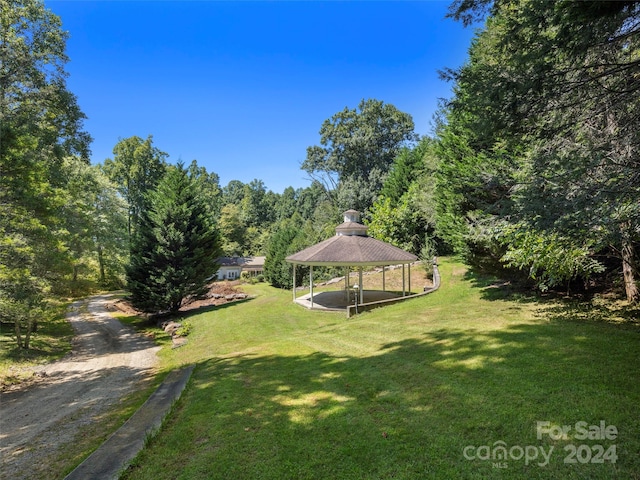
column 108, row 361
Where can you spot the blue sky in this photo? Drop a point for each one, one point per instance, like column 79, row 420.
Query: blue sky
column 243, row 87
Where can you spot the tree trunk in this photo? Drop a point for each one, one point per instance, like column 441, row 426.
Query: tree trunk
column 628, row 267
column 101, row 264
column 18, row 334
column 27, row 335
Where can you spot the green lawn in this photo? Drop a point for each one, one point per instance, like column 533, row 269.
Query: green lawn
column 51, row 341
column 422, row 389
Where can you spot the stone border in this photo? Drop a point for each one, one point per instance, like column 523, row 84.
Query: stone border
column 117, row 452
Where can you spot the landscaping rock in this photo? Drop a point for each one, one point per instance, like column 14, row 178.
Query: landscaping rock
column 178, row 341
column 171, row 327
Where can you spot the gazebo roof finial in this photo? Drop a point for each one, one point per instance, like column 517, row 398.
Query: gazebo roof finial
column 352, row 216
column 352, row 225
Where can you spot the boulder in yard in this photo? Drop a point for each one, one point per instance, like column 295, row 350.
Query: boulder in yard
column 177, row 342
column 171, row 327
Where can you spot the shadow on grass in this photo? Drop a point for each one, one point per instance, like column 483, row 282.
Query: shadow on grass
column 50, row 341
column 210, row 308
column 143, row 323
column 407, row 410
column 556, row 306
column 493, row 288
column 571, row 310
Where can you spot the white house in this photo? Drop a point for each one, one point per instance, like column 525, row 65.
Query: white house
column 232, row 267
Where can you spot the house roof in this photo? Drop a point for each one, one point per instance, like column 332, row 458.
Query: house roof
column 242, row 262
column 228, row 261
column 253, row 262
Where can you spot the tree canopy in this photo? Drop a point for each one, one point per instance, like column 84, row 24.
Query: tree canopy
column 540, row 141
column 357, row 148
column 41, row 126
column 137, row 167
column 404, row 213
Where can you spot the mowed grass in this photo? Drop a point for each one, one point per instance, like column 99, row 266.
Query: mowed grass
column 427, row 388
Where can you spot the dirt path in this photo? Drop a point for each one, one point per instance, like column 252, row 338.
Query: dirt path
column 108, row 361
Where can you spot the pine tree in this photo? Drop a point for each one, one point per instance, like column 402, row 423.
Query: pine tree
column 173, row 252
column 289, row 237
column 540, row 141
column 277, row 271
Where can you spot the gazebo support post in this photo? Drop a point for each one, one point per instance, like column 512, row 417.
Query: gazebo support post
column 403, row 284
column 383, row 280
column 360, row 281
column 311, row 285
column 346, row 284
column 409, row 278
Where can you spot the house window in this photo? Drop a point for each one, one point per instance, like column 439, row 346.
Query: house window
column 231, row 274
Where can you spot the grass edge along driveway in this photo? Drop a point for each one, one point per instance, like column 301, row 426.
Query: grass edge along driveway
column 452, row 385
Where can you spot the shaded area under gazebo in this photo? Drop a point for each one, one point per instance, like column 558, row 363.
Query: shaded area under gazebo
column 351, row 247
column 338, row 300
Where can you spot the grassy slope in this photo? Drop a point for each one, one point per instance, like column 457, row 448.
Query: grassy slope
column 281, row 392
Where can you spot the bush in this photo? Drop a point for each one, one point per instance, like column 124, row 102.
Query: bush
column 185, row 329
column 427, row 254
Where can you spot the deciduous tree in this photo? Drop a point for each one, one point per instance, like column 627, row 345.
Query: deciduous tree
column 137, row 167
column 40, row 124
column 357, row 148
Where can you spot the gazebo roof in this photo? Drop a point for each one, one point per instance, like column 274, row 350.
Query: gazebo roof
column 347, row 250
column 351, row 247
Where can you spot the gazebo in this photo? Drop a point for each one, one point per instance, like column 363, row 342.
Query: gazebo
column 351, row 247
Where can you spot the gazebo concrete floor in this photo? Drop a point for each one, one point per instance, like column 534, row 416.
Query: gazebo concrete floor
column 337, row 299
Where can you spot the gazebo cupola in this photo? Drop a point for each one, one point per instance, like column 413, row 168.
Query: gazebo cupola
column 352, row 225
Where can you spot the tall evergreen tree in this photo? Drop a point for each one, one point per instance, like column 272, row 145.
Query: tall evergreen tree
column 406, row 167
column 289, row 237
column 541, row 141
column 404, row 214
column 174, row 250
